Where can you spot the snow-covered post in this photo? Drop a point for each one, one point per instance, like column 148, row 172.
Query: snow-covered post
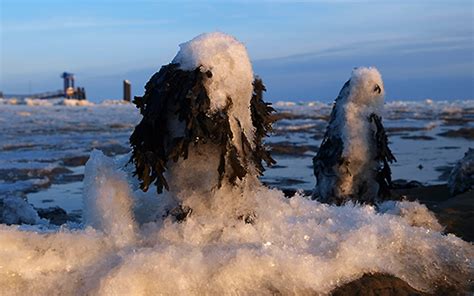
column 203, row 119
column 353, row 160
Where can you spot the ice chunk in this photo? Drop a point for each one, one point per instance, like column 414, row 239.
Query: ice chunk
column 107, row 199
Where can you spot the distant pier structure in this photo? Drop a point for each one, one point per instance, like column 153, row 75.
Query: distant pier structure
column 127, row 91
column 68, row 81
column 69, row 91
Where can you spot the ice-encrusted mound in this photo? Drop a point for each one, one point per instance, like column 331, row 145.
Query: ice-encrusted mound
column 16, row 210
column 461, row 178
column 293, row 246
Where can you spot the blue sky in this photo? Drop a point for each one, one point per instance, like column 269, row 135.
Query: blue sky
column 302, row 50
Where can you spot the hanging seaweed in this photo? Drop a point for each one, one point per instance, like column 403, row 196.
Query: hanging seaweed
column 177, row 99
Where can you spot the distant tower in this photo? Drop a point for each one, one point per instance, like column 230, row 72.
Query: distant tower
column 127, row 91
column 68, row 84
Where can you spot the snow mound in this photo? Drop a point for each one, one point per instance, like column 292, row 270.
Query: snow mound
column 232, row 74
column 292, row 246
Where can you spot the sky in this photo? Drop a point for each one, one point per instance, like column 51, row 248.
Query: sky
column 303, row 50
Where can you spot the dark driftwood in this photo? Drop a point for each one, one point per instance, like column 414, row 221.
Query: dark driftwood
column 172, row 94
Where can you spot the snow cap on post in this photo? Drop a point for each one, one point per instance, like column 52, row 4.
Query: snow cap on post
column 232, row 76
column 229, row 63
column 367, row 87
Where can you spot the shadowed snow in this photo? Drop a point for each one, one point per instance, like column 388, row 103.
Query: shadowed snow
column 293, row 246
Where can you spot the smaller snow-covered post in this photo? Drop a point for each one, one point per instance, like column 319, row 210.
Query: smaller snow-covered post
column 353, row 160
column 203, row 119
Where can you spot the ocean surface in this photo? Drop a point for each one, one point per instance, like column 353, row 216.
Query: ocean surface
column 44, row 144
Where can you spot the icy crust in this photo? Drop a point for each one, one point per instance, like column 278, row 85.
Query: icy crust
column 293, row 246
column 232, row 76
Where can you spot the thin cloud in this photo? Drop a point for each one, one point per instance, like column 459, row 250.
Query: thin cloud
column 405, row 44
column 68, row 23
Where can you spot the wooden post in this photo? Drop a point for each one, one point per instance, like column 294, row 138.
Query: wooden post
column 127, row 91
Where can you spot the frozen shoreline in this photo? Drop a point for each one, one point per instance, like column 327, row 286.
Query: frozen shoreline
column 292, row 245
column 44, row 148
